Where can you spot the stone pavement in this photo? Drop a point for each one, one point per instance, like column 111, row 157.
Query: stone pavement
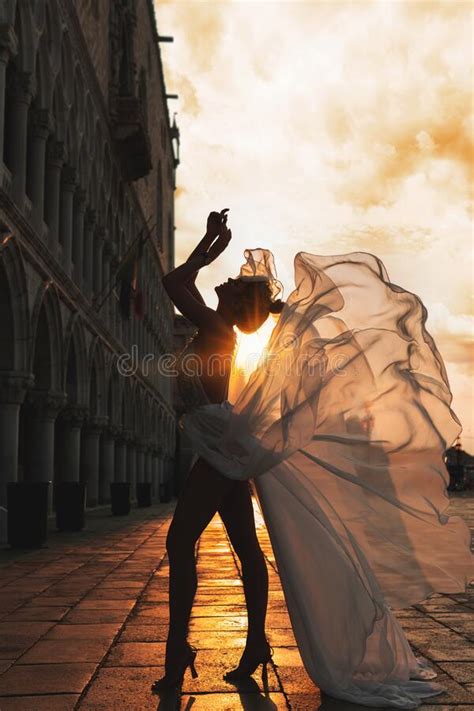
column 83, row 623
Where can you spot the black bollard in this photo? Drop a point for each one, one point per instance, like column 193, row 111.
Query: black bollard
column 120, row 498
column 27, row 504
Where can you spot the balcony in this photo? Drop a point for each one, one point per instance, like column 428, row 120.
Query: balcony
column 130, row 132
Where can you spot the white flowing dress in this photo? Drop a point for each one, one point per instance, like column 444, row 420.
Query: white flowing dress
column 342, row 427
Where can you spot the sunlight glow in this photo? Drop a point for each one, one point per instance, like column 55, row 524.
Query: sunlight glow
column 251, row 346
column 249, row 350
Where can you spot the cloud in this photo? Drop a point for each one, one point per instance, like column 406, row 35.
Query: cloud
column 385, row 238
column 454, row 335
column 200, row 28
column 181, row 84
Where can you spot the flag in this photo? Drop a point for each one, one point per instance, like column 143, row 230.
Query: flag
column 126, row 278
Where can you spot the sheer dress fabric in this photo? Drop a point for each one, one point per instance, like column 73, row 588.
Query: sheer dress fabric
column 342, row 428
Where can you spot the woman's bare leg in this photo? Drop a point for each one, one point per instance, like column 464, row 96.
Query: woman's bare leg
column 200, row 499
column 236, row 511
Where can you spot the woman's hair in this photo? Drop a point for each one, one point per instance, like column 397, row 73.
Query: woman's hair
column 256, row 303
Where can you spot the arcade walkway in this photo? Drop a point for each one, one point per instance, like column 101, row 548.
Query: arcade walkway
column 83, row 624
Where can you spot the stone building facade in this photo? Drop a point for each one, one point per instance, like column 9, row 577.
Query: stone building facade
column 87, row 163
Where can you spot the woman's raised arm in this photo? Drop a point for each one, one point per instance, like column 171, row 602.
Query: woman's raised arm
column 179, row 283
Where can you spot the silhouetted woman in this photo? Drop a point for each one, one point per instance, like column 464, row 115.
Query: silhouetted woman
column 245, row 304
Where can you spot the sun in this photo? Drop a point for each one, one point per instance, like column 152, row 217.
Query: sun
column 250, row 346
column 248, row 352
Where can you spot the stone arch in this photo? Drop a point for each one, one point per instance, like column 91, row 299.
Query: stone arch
column 27, row 36
column 43, row 73
column 53, row 29
column 46, row 354
column 7, row 11
column 14, row 300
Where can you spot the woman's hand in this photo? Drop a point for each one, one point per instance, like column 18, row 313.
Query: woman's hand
column 215, row 222
column 225, row 235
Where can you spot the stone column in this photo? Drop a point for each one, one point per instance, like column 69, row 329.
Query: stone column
column 39, row 439
column 89, row 223
column 78, row 235
column 40, row 128
column 8, row 47
column 132, row 469
column 155, row 475
column 147, row 465
column 55, row 159
column 90, row 437
column 69, row 450
column 106, row 465
column 13, row 387
column 99, row 235
column 18, row 113
column 68, row 187
column 120, row 459
column 160, row 468
column 140, row 463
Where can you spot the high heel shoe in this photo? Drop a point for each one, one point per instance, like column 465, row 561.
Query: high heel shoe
column 173, row 677
column 249, row 664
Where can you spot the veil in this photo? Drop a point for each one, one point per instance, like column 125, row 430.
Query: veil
column 342, row 427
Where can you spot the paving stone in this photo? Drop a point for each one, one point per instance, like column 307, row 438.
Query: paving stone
column 213, row 583
column 111, row 594
column 54, row 651
column 203, row 639
column 219, row 611
column 99, row 631
column 143, row 633
column 45, row 678
column 218, row 599
column 462, row 672
column 46, row 702
column 158, row 610
column 442, row 646
column 155, row 597
column 459, row 622
column 454, row 694
column 124, row 584
column 36, row 613
column 426, row 623
column 50, row 601
column 221, row 624
column 295, row 679
column 281, row 638
column 128, row 687
column 287, row 657
column 88, row 604
column 233, row 702
column 311, row 702
column 91, row 617
column 17, row 637
column 137, row 654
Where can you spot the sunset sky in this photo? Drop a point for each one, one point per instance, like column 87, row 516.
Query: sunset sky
column 332, row 127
